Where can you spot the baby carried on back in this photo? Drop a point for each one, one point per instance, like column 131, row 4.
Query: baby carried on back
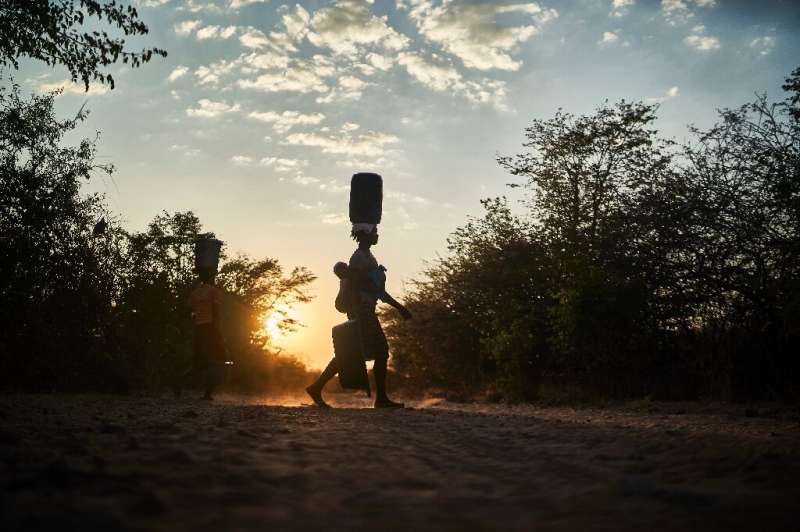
column 352, row 282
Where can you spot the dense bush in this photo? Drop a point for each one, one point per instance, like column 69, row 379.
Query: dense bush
column 89, row 305
column 640, row 267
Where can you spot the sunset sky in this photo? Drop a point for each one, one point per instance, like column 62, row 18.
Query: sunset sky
column 263, row 110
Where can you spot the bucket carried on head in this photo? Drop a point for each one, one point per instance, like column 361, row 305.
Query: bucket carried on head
column 366, row 198
column 206, row 253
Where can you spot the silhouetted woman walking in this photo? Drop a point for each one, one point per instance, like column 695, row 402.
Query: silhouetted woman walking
column 363, row 287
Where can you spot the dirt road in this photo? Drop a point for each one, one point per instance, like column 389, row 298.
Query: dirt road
column 145, row 463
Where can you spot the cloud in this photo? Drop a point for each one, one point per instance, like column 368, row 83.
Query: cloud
column 264, row 61
column 673, row 92
column 348, row 26
column 609, row 37
column 283, row 122
column 242, row 160
column 334, row 219
column 300, row 77
column 348, row 88
column 302, row 180
column 619, row 8
column 681, row 11
column 236, row 4
column 202, row 33
column 210, row 109
column 361, row 165
column 258, row 40
column 295, row 22
column 370, row 144
column 186, row 27
column 764, row 45
column 253, row 38
column 700, row 41
column 195, row 6
column 335, row 187
column 177, row 72
column 402, row 197
column 443, row 77
column 207, row 32
column 211, row 74
column 185, row 150
column 283, row 165
column 471, row 31
column 435, row 75
column 381, row 62
column 68, row 87
column 312, row 206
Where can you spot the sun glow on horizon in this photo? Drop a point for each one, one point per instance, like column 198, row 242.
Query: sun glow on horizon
column 271, row 326
column 274, row 325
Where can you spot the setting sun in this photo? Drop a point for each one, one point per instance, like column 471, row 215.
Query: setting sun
column 271, row 327
column 275, row 325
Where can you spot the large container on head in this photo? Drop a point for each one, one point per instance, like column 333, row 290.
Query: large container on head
column 366, row 198
column 206, row 253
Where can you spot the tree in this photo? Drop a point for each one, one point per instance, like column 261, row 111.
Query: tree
column 57, row 278
column 741, row 244
column 61, row 32
column 88, row 305
column 159, row 275
column 640, row 267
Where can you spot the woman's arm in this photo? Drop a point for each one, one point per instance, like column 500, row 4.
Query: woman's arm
column 386, row 298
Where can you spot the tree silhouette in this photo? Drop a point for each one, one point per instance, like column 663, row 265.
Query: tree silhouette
column 641, row 267
column 62, row 32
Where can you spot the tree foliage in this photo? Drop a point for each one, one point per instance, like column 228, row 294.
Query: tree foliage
column 92, row 305
column 71, row 33
column 639, row 266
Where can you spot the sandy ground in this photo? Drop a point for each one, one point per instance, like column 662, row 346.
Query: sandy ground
column 151, row 463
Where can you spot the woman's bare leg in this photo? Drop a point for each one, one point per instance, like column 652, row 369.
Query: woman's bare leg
column 315, row 390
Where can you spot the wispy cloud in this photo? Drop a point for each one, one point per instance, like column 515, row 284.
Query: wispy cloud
column 763, row 45
column 334, row 219
column 305, row 181
column 682, row 11
column 68, row 87
column 619, row 8
column 186, row 27
column 698, row 40
column 209, row 109
column 672, row 92
column 283, row 122
column 609, row 37
column 283, row 164
column 215, row 32
column 177, row 72
column 348, row 27
column 185, row 150
column 470, row 31
column 370, row 144
column 242, row 160
column 236, row 4
column 300, row 79
column 442, row 77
